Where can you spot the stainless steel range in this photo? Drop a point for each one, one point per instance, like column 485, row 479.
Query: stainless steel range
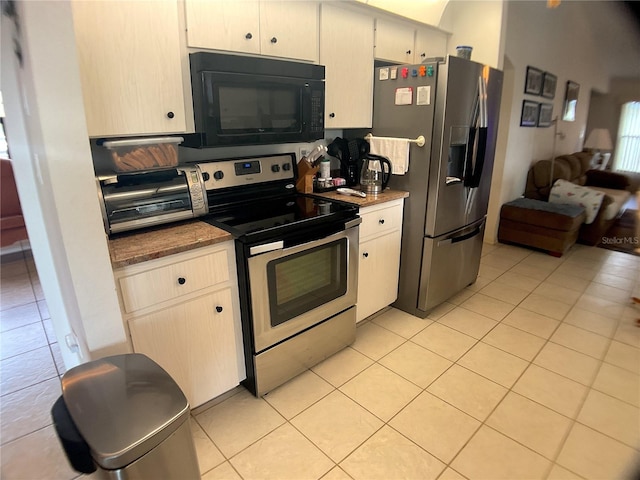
column 297, row 259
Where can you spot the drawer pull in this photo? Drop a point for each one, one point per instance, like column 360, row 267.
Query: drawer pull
column 219, row 309
column 365, row 254
column 274, row 40
column 248, row 36
column 182, row 280
column 381, row 221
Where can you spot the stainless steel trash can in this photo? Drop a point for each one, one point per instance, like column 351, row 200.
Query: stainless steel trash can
column 129, row 416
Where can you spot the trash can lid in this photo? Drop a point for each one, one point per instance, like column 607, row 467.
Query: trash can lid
column 123, row 406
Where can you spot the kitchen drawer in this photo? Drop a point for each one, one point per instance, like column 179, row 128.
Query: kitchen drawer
column 379, row 219
column 151, row 287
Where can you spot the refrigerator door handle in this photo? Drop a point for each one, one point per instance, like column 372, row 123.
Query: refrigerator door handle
column 476, row 156
column 460, row 238
column 483, row 121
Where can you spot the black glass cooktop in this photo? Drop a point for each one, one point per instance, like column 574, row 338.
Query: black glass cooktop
column 277, row 217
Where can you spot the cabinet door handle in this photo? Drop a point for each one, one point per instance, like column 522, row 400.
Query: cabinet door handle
column 332, row 115
column 182, row 280
column 365, row 254
column 218, row 309
column 171, row 114
column 381, row 221
column 248, row 36
column 423, row 54
column 274, row 40
column 408, row 52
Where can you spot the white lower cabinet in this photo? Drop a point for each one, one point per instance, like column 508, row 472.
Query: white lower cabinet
column 379, row 265
column 197, row 336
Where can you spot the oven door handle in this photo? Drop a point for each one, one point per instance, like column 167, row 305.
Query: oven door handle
column 279, row 244
column 266, row 247
column 327, row 238
column 353, row 223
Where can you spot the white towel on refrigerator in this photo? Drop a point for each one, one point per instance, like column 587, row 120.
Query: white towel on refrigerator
column 395, row 149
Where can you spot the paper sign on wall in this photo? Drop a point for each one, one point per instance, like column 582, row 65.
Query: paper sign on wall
column 424, row 95
column 404, row 96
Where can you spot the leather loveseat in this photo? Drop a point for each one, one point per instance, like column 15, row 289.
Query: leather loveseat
column 576, row 168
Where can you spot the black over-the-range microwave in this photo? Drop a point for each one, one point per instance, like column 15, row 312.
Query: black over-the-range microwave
column 253, row 101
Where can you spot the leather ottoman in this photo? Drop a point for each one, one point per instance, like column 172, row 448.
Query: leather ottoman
column 551, row 227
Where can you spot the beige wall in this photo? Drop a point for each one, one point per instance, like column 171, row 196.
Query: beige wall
column 478, row 24
column 586, row 42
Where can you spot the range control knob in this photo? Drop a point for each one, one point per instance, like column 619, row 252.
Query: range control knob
column 275, row 168
column 206, row 176
column 218, row 175
column 286, row 167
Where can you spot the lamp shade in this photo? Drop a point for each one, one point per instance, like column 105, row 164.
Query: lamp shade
column 599, row 139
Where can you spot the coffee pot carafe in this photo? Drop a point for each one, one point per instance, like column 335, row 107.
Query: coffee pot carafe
column 375, row 173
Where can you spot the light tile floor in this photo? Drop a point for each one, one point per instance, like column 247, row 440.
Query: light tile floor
column 531, row 372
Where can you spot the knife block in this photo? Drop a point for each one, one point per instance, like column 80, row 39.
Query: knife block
column 306, row 172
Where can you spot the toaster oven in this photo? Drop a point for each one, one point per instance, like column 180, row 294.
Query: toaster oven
column 143, row 199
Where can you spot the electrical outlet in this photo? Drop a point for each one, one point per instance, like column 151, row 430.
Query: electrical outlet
column 303, row 152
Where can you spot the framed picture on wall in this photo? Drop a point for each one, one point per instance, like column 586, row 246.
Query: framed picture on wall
column 545, row 115
column 533, row 82
column 529, row 116
column 549, row 85
column 570, row 101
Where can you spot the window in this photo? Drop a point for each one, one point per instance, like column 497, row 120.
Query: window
column 627, row 156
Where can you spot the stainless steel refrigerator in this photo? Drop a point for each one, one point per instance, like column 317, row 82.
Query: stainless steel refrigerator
column 454, row 103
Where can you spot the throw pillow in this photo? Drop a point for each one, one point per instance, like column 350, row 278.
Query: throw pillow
column 567, row 192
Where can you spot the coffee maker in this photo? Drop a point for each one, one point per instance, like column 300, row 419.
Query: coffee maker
column 350, row 153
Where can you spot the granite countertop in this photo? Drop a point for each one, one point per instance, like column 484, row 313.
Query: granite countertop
column 157, row 242
column 387, row 196
column 135, row 247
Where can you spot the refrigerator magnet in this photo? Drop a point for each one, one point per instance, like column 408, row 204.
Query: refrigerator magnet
column 423, row 96
column 384, row 74
column 404, row 96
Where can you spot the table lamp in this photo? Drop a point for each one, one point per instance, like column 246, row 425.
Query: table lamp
column 598, row 140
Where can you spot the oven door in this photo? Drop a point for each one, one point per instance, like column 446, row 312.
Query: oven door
column 295, row 288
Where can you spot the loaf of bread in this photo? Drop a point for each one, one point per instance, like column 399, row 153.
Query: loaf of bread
column 161, row 155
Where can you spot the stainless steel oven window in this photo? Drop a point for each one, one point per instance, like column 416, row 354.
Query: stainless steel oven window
column 306, row 280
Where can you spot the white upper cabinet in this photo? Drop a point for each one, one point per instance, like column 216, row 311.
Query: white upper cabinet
column 223, row 25
column 429, row 43
column 289, row 29
column 394, row 41
column 276, row 28
column 346, row 50
column 129, row 59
